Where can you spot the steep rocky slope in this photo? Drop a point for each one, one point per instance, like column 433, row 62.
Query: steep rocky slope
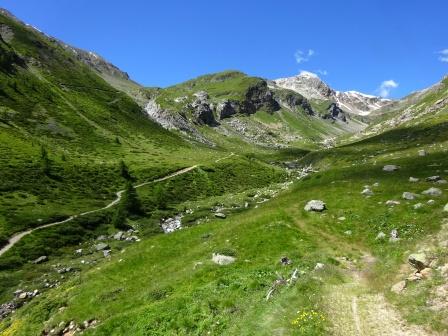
column 248, row 108
column 428, row 106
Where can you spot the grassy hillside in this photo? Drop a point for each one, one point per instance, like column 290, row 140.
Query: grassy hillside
column 169, row 285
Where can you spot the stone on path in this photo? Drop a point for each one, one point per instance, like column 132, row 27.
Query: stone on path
column 418, row 260
column 399, row 287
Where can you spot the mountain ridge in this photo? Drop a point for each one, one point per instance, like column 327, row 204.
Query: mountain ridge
column 312, row 87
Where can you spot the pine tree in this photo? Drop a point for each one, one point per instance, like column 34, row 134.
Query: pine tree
column 130, row 200
column 124, row 171
column 119, row 219
column 45, row 161
column 160, row 197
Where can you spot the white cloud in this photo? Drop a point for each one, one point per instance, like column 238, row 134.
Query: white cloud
column 443, row 55
column 385, row 88
column 303, row 55
column 322, row 72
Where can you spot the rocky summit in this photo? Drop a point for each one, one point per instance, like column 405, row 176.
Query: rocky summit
column 229, row 203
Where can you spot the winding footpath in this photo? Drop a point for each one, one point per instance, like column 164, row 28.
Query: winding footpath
column 16, row 238
column 357, row 310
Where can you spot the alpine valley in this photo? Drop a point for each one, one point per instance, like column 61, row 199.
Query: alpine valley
column 224, row 205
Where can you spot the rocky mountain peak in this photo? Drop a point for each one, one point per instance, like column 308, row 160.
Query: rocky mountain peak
column 307, row 84
column 311, row 86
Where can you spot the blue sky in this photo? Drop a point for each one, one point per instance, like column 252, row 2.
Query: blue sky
column 358, row 44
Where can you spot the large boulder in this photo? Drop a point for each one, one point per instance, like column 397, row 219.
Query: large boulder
column 419, row 261
column 432, row 192
column 315, row 205
column 222, row 259
column 409, row 196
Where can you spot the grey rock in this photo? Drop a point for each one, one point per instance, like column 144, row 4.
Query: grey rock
column 390, row 168
column 203, row 112
column 408, row 196
column 431, row 202
column 432, row 192
column 285, row 261
column 101, row 246
column 119, row 235
column 413, row 179
column 418, row 206
column 422, row 152
column 319, row 266
column 380, row 236
column 315, row 205
column 433, row 178
column 392, row 203
column 445, row 208
column 418, row 260
column 394, row 236
column 221, row 259
column 226, row 109
column 106, row 253
column 102, row 237
column 40, row 260
column 442, row 182
column 220, row 215
column 172, row 224
column 367, row 192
